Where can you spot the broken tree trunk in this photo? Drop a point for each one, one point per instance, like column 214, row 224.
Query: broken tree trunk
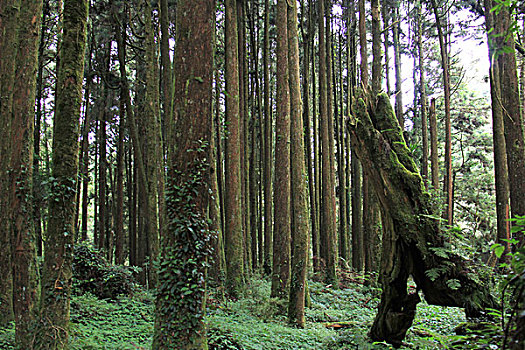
column 412, row 243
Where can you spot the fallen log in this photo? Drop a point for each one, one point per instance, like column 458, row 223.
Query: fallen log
column 413, row 244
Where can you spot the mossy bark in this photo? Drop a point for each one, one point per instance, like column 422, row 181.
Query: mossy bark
column 9, row 11
column 58, row 259
column 413, row 244
column 181, row 293
column 300, row 219
column 281, row 196
column 232, row 200
column 25, row 269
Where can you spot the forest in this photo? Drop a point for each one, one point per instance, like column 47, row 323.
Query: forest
column 249, row 174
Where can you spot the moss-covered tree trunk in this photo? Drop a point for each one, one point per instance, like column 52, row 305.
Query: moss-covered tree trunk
column 180, row 310
column 25, row 269
column 232, row 200
column 58, row 259
column 328, row 220
column 154, row 163
column 268, row 142
column 300, row 229
column 9, row 11
column 412, row 245
column 281, row 196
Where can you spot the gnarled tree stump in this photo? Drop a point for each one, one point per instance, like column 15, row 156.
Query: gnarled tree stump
column 413, row 244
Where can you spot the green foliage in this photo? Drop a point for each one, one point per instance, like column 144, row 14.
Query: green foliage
column 185, row 252
column 93, row 274
column 7, row 337
column 124, row 323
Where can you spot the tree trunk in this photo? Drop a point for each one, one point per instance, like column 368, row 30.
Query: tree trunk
column 423, row 96
column 232, row 200
column 282, row 194
column 498, row 66
column 268, row 141
column 506, row 95
column 58, row 259
column 153, row 145
column 25, row 267
column 9, row 12
column 396, row 27
column 413, row 244
column 179, row 322
column 328, row 224
column 449, row 216
column 300, row 229
column 434, row 156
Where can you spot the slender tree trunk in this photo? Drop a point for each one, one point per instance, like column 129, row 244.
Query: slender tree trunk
column 377, row 75
column 281, row 198
column 506, row 95
column 218, row 263
column 396, row 27
column 37, row 187
column 499, row 111
column 153, row 146
column 423, row 95
column 9, row 13
column 434, row 156
column 386, row 24
column 25, row 268
column 328, row 224
column 300, row 218
column 448, row 138
column 232, row 200
column 179, row 322
column 58, row 259
column 268, row 131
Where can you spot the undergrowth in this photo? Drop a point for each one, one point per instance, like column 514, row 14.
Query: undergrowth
column 337, row 319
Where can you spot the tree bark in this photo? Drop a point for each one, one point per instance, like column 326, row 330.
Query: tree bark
column 25, row 267
column 233, row 216
column 282, row 194
column 506, row 95
column 449, row 215
column 300, row 229
column 58, row 259
column 268, row 133
column 498, row 65
column 413, row 244
column 434, row 156
column 9, row 12
column 179, row 322
column 423, row 95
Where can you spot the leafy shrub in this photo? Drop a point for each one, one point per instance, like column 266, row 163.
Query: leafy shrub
column 93, row 274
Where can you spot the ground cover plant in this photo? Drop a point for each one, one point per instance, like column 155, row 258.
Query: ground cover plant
column 336, row 319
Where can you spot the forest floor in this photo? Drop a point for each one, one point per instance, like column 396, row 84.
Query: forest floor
column 336, row 319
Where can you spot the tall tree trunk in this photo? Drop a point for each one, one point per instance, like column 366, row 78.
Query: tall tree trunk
column 500, row 110
column 37, row 187
column 120, row 255
column 300, row 219
column 377, row 75
column 434, row 156
column 386, row 24
column 179, row 322
column 396, row 27
column 328, row 224
column 58, row 259
column 153, row 146
column 232, row 200
column 281, row 196
column 423, row 95
column 506, row 95
column 268, row 141
column 218, row 264
column 449, row 215
column 9, row 12
column 25, row 268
